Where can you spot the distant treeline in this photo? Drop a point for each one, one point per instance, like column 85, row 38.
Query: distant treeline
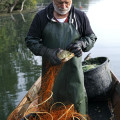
column 12, row 5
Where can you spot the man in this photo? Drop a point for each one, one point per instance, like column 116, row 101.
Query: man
column 61, row 26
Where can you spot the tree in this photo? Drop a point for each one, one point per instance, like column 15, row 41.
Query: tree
column 11, row 5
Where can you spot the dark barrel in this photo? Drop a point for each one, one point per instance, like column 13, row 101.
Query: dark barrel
column 98, row 81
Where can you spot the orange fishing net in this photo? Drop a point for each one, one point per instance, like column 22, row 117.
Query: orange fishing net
column 42, row 106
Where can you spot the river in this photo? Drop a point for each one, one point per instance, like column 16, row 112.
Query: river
column 19, row 68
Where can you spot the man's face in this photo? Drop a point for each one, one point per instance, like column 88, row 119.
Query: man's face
column 62, row 6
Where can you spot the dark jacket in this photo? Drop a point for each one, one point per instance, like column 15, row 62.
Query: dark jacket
column 77, row 17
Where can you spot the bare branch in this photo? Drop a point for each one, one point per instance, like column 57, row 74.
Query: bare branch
column 13, row 6
column 22, row 5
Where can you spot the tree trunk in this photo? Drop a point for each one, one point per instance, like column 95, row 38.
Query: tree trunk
column 22, row 5
column 13, row 6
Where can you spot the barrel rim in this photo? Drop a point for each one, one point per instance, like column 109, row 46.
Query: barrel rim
column 106, row 61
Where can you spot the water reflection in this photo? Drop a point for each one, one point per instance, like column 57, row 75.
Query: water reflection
column 104, row 17
column 19, row 68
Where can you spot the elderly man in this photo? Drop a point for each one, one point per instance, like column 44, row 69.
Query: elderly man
column 61, row 26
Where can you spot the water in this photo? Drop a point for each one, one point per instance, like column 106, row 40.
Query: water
column 19, row 68
column 104, row 18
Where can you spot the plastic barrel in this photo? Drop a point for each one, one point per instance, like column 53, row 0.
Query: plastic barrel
column 98, row 81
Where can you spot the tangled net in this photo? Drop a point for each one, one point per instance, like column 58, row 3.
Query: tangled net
column 40, row 107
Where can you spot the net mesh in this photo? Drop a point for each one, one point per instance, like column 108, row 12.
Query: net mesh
column 41, row 107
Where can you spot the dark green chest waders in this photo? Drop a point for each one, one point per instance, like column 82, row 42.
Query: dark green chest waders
column 69, row 84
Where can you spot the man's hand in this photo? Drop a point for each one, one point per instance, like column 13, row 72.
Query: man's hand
column 51, row 55
column 75, row 48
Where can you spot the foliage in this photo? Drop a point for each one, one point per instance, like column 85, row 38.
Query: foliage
column 30, row 4
column 6, row 5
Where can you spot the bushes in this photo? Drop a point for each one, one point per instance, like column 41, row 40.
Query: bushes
column 30, row 4
column 9, row 6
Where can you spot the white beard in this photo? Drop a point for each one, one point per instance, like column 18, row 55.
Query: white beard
column 60, row 10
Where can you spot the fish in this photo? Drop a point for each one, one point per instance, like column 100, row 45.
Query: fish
column 65, row 55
